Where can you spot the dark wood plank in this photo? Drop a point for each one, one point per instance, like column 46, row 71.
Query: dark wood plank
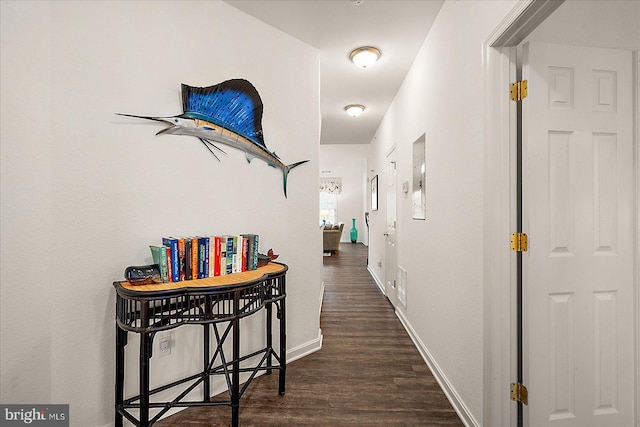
column 368, row 372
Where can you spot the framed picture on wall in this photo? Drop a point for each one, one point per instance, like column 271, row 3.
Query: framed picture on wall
column 374, row 193
column 419, row 193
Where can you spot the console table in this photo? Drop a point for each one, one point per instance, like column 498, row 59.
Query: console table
column 216, row 303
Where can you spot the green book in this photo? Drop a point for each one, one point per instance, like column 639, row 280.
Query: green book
column 159, row 254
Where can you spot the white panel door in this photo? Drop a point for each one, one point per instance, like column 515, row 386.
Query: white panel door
column 390, row 287
column 578, row 283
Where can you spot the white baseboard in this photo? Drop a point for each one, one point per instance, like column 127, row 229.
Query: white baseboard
column 218, row 385
column 305, row 349
column 454, row 398
column 375, row 278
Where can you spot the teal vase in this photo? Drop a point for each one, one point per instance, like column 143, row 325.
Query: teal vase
column 354, row 231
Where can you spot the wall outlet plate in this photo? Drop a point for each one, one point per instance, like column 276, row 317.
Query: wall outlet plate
column 165, row 346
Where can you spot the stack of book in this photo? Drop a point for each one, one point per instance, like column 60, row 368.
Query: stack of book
column 190, row 258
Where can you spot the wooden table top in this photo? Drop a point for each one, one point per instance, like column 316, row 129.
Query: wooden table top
column 226, row 280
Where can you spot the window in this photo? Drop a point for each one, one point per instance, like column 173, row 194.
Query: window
column 328, row 207
column 329, row 190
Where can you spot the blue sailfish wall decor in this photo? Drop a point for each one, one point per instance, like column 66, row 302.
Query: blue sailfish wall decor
column 228, row 113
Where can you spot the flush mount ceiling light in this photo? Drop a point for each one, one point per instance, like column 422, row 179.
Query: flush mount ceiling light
column 354, row 110
column 365, row 57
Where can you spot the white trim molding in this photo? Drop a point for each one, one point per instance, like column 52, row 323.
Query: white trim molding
column 521, row 21
column 377, row 280
column 305, row 349
column 499, row 222
column 454, row 398
column 636, row 82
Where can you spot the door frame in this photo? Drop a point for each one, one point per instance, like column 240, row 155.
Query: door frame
column 500, row 271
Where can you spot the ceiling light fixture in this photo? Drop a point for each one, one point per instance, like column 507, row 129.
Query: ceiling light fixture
column 365, row 57
column 354, row 110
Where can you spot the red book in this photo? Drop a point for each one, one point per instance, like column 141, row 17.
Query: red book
column 169, row 265
column 216, row 255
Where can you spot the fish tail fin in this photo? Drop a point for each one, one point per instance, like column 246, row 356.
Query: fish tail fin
column 285, row 172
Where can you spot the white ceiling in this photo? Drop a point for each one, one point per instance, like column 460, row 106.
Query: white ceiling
column 396, row 27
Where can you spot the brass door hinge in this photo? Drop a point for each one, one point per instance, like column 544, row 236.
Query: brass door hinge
column 518, row 90
column 519, row 393
column 519, row 242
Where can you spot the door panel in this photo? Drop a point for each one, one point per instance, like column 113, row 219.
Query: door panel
column 578, row 212
column 390, row 235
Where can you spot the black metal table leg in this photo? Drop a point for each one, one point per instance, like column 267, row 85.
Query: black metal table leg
column 146, row 340
column 283, row 338
column 205, row 367
column 206, row 344
column 235, row 375
column 268, row 308
column 121, row 342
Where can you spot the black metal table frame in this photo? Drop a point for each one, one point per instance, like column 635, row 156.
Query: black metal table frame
column 149, row 312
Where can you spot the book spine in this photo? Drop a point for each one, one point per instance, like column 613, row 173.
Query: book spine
column 216, row 255
column 250, row 242
column 167, row 251
column 245, row 248
column 201, row 257
column 255, row 251
column 223, row 255
column 194, row 258
column 187, row 259
column 229, row 262
column 182, row 258
column 207, row 256
column 165, row 263
column 211, row 245
column 238, row 257
column 235, row 254
column 172, row 244
column 159, row 255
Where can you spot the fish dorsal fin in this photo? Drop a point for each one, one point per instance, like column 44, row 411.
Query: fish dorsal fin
column 233, row 104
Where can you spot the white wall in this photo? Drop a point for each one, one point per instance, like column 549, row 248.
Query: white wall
column 347, row 161
column 84, row 192
column 609, row 24
column 443, row 256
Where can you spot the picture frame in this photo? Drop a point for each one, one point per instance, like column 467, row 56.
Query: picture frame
column 374, row 193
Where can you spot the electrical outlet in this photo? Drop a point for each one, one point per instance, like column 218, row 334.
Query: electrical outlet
column 165, row 346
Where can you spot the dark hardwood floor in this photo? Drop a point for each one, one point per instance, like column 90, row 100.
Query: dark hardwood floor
column 367, row 373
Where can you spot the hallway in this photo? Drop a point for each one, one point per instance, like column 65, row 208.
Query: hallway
column 367, row 373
